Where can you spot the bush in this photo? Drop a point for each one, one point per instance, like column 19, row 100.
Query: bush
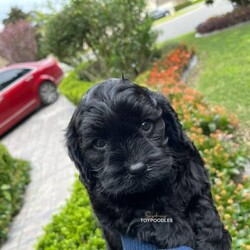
column 73, row 88
column 75, row 227
column 210, row 128
column 238, row 15
column 88, row 71
column 14, row 176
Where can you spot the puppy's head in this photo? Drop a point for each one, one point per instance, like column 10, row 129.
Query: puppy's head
column 123, row 137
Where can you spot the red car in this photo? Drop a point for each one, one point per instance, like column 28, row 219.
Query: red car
column 26, row 86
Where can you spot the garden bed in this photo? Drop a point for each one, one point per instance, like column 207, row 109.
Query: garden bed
column 212, row 131
column 223, row 72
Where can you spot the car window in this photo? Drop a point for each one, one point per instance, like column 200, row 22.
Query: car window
column 10, row 76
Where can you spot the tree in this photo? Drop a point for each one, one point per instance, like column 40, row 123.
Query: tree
column 15, row 15
column 17, row 42
column 63, row 34
column 117, row 32
column 235, row 2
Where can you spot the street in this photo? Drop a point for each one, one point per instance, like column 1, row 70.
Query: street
column 189, row 21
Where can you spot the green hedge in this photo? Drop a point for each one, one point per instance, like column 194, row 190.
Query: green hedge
column 75, row 226
column 73, row 88
column 237, row 16
column 14, row 176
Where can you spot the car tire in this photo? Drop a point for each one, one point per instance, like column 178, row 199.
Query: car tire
column 48, row 93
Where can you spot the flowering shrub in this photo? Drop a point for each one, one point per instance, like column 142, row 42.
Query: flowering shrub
column 238, row 15
column 210, row 128
column 171, row 67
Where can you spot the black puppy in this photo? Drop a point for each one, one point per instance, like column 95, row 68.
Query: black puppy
column 144, row 177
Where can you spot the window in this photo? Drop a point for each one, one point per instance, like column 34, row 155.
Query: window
column 10, row 76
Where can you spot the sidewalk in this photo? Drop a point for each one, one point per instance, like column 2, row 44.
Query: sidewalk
column 40, row 140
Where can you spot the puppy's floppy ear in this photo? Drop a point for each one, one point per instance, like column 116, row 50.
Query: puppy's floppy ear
column 173, row 129
column 74, row 150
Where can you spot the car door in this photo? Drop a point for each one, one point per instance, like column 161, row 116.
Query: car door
column 3, row 112
column 15, row 95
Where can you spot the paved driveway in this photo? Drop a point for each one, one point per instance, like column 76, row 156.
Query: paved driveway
column 189, row 21
column 40, row 139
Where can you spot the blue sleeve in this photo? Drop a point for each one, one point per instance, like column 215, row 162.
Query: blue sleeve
column 131, row 244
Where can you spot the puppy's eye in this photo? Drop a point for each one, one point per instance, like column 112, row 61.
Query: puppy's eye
column 100, row 143
column 146, row 125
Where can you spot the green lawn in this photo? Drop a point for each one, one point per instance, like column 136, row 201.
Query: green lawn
column 223, row 70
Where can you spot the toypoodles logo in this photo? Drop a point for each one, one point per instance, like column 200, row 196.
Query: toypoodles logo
column 149, row 217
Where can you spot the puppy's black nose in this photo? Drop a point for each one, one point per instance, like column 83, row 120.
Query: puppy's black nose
column 137, row 168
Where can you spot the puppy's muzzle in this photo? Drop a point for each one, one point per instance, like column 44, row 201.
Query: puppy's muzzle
column 137, row 168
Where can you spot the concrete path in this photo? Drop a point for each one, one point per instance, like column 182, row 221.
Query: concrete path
column 40, row 140
column 189, row 21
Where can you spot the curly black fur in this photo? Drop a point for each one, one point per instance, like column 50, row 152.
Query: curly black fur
column 105, row 138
